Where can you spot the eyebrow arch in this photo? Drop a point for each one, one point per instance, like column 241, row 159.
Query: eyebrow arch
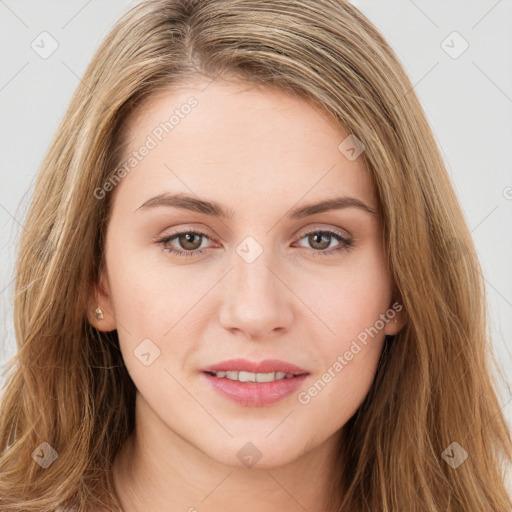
column 214, row 209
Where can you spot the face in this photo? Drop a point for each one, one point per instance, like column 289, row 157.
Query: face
column 255, row 275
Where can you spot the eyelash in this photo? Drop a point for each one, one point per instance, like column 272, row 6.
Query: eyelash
column 345, row 243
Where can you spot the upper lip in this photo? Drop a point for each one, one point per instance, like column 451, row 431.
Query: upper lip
column 266, row 366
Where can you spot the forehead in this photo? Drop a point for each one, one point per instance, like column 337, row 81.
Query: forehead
column 257, row 140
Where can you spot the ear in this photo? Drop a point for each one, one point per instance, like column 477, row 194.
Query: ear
column 395, row 324
column 101, row 298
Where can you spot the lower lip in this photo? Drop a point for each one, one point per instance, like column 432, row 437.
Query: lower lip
column 255, row 394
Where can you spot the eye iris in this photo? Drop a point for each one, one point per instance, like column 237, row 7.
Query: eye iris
column 313, row 241
column 186, row 237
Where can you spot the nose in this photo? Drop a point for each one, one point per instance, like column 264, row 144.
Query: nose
column 256, row 299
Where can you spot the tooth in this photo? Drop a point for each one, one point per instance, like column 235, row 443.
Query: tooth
column 265, row 377
column 243, row 376
column 246, row 377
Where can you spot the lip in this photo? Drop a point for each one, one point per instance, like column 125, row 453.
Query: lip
column 266, row 366
column 255, row 394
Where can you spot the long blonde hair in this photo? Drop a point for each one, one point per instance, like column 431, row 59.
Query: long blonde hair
column 68, row 387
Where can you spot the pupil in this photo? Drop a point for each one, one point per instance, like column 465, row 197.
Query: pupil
column 189, row 238
column 317, row 239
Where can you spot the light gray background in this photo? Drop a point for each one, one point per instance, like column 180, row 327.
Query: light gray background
column 468, row 101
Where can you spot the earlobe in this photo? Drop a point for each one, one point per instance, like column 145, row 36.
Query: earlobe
column 100, row 311
column 394, row 325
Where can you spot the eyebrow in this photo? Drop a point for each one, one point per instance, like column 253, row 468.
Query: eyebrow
column 214, row 209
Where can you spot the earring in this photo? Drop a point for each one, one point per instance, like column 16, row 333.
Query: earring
column 98, row 313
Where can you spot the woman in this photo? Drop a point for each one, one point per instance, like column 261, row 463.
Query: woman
column 245, row 281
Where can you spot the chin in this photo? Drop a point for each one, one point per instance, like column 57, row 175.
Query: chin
column 257, row 454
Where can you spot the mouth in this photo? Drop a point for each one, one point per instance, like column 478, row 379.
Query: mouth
column 254, row 384
column 246, row 368
column 243, row 376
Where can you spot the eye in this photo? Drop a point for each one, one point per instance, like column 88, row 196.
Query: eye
column 190, row 243
column 187, row 242
column 320, row 242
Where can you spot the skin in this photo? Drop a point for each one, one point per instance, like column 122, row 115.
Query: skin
column 258, row 152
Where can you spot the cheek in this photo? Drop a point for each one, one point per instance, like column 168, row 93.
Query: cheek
column 347, row 359
column 148, row 292
column 335, row 395
column 154, row 301
column 350, row 296
column 152, row 296
column 352, row 303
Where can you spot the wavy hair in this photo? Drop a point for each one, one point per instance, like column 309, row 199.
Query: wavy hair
column 67, row 386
